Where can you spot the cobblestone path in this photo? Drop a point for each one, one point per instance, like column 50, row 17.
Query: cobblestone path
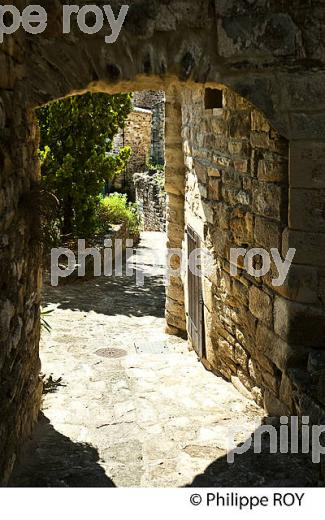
column 152, row 417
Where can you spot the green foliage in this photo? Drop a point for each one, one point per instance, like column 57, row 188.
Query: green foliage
column 158, row 172
column 152, row 167
column 115, row 209
column 44, row 323
column 76, row 141
column 160, row 179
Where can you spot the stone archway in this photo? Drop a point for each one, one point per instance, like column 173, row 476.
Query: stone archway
column 171, row 46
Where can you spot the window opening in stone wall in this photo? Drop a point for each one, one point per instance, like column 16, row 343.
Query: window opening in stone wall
column 213, row 98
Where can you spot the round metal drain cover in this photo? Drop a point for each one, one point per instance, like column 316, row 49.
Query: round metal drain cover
column 111, row 352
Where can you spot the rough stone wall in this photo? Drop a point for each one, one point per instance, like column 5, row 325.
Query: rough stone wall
column 154, row 101
column 148, row 98
column 137, row 135
column 151, row 197
column 146, row 122
column 20, row 277
column 270, row 52
column 237, row 197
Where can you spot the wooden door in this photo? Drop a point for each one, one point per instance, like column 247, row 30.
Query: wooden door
column 195, row 299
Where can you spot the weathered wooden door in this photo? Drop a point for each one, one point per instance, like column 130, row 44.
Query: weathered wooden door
column 195, row 298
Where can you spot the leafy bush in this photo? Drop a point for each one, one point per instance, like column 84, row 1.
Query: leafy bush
column 115, row 209
column 152, row 167
column 76, row 142
column 157, row 171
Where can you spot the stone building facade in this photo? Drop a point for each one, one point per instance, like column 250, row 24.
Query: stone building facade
column 144, row 133
column 253, row 174
column 155, row 102
column 137, row 135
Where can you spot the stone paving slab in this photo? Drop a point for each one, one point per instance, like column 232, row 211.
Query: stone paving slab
column 146, row 419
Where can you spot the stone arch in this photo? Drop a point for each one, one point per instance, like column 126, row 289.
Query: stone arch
column 171, row 46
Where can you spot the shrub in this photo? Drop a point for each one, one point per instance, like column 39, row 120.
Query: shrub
column 76, row 143
column 115, row 209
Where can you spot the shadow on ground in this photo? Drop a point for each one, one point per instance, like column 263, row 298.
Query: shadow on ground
column 263, row 469
column 53, row 460
column 110, row 296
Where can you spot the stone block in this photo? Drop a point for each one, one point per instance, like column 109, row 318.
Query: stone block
column 201, row 170
column 307, row 164
column 6, row 315
column 241, row 356
column 306, row 210
column 221, row 161
column 214, row 172
column 301, row 284
column 239, row 384
column 208, row 294
column 176, row 321
column 246, row 322
column 225, row 369
column 299, row 324
column 247, row 184
column 309, row 247
column 232, row 180
column 255, row 35
column 175, row 214
column 260, row 304
column 240, row 292
column 264, row 362
column 259, row 140
column 203, row 191
column 306, row 405
column 307, row 125
column 175, row 180
column 175, row 234
column 218, row 329
column 270, row 381
column 175, row 157
column 222, row 216
column 241, row 226
column 217, row 124
column 258, row 122
column 272, row 171
column 206, row 212
column 286, row 391
column 255, row 372
column 307, row 90
column 278, row 351
column 267, row 200
column 175, row 292
column 241, row 165
column 267, row 233
column 274, row 407
column 239, row 124
column 235, row 147
column 222, row 358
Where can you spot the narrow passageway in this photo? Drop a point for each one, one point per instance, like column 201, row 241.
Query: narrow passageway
column 125, row 404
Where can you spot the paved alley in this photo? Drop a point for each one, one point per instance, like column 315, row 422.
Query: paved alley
column 127, row 405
